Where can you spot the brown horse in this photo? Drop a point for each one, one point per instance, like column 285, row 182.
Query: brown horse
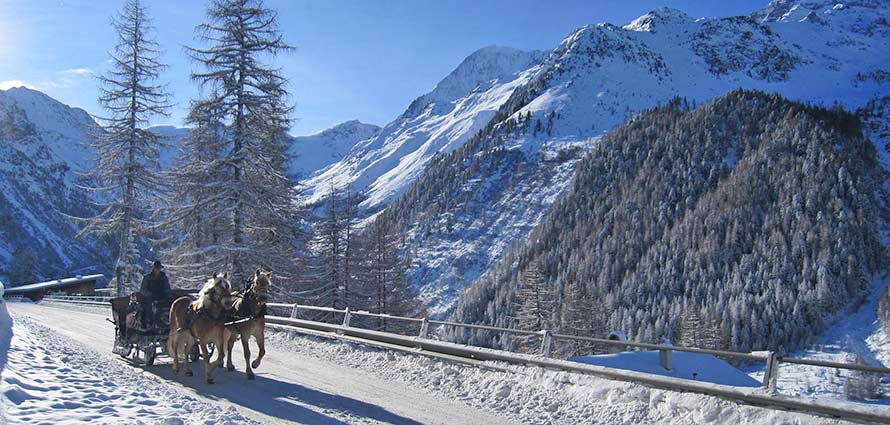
column 252, row 306
column 201, row 320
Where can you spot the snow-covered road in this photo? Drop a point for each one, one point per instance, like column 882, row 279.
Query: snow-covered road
column 289, row 387
column 60, row 359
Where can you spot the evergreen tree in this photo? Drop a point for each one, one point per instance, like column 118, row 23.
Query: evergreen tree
column 329, row 247
column 350, row 286
column 690, row 333
column 861, row 385
column 385, row 279
column 126, row 169
column 535, row 303
column 248, row 200
column 701, row 330
column 582, row 315
column 762, row 209
column 191, row 213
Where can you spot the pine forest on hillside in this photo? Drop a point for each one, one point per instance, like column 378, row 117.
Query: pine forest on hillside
column 757, row 212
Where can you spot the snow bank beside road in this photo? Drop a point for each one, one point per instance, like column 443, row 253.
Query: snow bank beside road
column 5, row 335
column 534, row 395
column 52, row 379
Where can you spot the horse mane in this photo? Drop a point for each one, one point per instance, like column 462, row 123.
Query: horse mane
column 204, row 294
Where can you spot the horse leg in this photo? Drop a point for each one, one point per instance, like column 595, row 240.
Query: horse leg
column 171, row 348
column 230, row 344
column 220, row 340
column 245, row 345
column 188, row 344
column 208, row 367
column 259, row 334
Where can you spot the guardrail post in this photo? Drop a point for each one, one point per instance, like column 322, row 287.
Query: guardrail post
column 771, row 374
column 425, row 328
column 546, row 342
column 666, row 356
column 293, row 313
column 347, row 316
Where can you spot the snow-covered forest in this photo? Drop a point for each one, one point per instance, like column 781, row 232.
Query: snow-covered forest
column 760, row 213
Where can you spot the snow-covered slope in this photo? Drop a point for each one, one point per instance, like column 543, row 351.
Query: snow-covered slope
column 317, row 151
column 694, row 366
column 599, row 76
column 42, row 150
column 437, row 122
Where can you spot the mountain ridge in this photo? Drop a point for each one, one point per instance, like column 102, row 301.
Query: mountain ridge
column 595, row 79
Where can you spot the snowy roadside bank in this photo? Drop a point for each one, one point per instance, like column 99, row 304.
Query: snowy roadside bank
column 519, row 394
column 49, row 378
column 535, row 395
column 5, row 336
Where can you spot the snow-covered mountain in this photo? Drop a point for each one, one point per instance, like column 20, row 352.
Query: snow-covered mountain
column 317, row 151
column 42, row 150
column 437, row 122
column 170, row 135
column 599, row 76
column 308, row 154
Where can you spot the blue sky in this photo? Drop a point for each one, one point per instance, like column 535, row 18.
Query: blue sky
column 355, row 59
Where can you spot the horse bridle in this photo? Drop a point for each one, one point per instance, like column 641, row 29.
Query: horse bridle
column 253, row 292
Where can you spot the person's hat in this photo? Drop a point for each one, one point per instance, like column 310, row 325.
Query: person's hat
column 157, row 265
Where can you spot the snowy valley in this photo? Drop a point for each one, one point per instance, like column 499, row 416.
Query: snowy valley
column 709, row 182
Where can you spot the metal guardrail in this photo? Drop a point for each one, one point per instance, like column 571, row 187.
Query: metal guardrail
column 752, row 396
column 441, row 348
column 771, row 359
column 79, row 299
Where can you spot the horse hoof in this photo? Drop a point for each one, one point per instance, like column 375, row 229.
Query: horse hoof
column 209, row 380
column 230, row 368
column 251, row 377
column 189, row 373
column 255, row 364
column 176, row 371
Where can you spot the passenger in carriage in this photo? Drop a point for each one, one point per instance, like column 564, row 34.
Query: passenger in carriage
column 155, row 289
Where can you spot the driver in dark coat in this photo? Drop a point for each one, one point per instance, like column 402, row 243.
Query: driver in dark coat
column 155, row 287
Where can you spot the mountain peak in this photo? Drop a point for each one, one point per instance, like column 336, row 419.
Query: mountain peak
column 858, row 15
column 656, row 18
column 483, row 66
column 316, row 151
column 50, row 116
column 351, row 127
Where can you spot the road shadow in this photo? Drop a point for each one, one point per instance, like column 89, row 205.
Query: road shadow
column 277, row 398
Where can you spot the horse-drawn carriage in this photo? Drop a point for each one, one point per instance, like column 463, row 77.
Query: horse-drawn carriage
column 212, row 320
column 141, row 333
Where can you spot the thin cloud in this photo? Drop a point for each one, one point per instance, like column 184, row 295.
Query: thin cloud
column 77, row 71
column 64, row 79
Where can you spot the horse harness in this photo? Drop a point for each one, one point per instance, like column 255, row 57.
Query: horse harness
column 192, row 313
column 248, row 309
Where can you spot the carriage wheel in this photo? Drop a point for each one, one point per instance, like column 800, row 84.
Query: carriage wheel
column 121, row 351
